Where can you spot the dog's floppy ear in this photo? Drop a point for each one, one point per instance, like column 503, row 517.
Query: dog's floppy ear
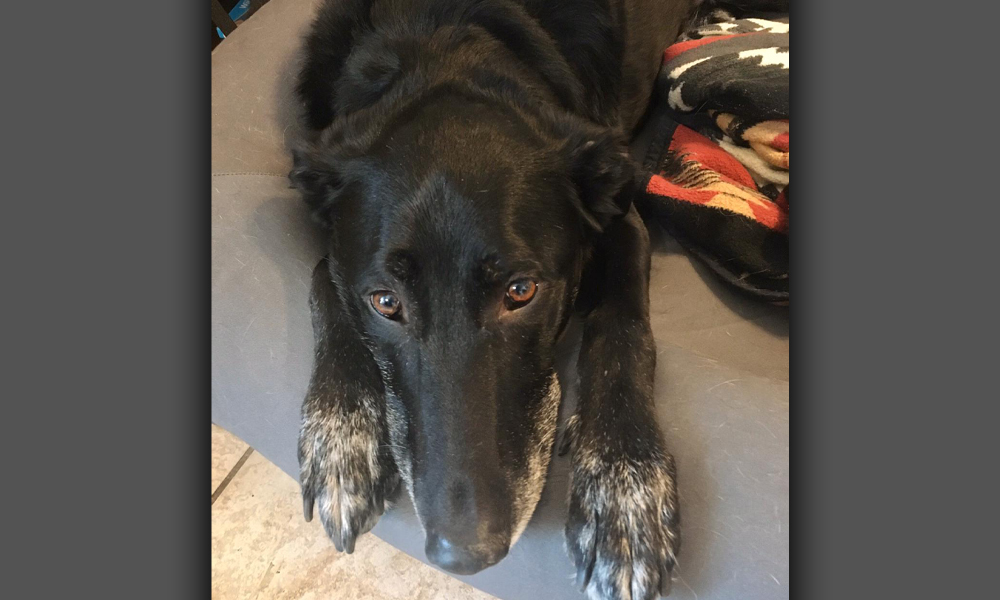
column 603, row 175
column 319, row 182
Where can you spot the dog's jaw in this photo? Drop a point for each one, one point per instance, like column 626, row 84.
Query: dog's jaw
column 529, row 488
column 397, row 425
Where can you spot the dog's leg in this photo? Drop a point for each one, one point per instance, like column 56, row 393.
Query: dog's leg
column 346, row 468
column 622, row 530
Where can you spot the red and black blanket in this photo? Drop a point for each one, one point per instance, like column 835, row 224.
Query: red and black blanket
column 717, row 166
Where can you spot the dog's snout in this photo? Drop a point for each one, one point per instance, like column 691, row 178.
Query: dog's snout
column 463, row 559
column 468, row 526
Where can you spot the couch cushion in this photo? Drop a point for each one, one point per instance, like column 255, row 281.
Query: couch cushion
column 253, row 108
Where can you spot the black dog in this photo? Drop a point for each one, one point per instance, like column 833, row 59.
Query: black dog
column 468, row 158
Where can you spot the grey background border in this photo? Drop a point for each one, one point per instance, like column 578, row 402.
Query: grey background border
column 106, row 330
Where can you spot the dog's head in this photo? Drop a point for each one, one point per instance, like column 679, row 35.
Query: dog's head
column 458, row 227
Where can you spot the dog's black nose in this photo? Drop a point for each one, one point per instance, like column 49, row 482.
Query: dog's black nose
column 466, row 514
column 463, row 560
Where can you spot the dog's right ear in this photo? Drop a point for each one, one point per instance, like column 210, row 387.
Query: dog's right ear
column 319, row 182
column 602, row 172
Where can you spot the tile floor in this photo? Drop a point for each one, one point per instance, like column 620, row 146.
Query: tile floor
column 262, row 548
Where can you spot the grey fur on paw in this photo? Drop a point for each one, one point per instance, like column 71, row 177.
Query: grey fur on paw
column 623, row 526
column 344, row 474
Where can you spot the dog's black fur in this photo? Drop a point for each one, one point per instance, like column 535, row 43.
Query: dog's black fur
column 458, row 146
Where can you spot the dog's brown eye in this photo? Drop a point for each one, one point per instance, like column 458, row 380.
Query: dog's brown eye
column 521, row 291
column 386, row 304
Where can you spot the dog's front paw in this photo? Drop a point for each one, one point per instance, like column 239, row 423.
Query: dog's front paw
column 345, row 474
column 622, row 531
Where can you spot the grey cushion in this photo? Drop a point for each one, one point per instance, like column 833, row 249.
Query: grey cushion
column 722, row 375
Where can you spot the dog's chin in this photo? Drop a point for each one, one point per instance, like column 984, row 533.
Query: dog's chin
column 532, row 481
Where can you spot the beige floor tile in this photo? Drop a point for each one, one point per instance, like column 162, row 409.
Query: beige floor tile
column 263, row 549
column 226, row 452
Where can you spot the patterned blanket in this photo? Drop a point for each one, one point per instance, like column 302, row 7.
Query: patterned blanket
column 718, row 162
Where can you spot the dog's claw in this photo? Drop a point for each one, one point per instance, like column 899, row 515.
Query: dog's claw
column 650, row 593
column 564, row 445
column 331, row 523
column 583, row 576
column 307, row 508
column 666, row 583
column 569, row 435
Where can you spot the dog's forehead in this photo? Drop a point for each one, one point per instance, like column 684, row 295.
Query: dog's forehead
column 471, row 138
column 449, row 229
column 458, row 186
column 476, row 227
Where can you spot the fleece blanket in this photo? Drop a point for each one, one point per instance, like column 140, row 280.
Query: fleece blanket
column 717, row 167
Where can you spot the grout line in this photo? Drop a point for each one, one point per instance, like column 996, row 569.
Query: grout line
column 232, row 473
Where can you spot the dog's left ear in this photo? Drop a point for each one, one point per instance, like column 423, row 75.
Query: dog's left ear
column 603, row 175
column 319, row 182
